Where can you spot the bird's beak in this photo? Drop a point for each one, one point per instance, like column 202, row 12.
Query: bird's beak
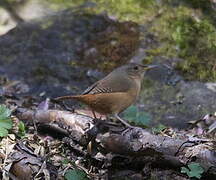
column 147, row 67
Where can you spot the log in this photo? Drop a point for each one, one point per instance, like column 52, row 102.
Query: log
column 138, row 144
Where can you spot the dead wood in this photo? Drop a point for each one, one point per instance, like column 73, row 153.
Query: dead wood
column 139, row 145
column 25, row 164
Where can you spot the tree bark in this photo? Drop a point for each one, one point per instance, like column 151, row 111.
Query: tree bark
column 138, row 144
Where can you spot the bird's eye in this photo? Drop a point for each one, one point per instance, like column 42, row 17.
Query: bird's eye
column 136, row 68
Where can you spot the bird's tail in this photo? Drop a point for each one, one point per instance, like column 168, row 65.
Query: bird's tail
column 66, row 97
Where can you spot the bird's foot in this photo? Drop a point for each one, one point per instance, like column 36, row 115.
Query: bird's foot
column 133, row 131
column 124, row 122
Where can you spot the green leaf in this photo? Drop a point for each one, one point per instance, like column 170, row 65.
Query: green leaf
column 137, row 117
column 75, row 174
column 5, row 120
column 195, row 170
column 65, row 161
column 3, row 132
column 143, row 118
column 158, row 128
column 21, row 130
column 6, row 123
column 184, row 170
column 4, row 112
column 130, row 113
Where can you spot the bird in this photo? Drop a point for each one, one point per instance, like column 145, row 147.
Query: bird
column 115, row 92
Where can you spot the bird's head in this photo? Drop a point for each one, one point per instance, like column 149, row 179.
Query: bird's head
column 135, row 70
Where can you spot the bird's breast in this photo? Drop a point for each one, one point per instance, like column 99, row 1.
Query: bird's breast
column 108, row 103
column 135, row 88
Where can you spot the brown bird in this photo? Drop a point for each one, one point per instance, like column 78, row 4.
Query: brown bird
column 115, row 92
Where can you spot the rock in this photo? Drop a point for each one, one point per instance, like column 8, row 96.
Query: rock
column 54, row 54
column 175, row 104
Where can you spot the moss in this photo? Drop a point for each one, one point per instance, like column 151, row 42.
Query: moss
column 46, row 24
column 183, row 28
column 205, row 5
column 61, row 4
column 128, row 9
column 196, row 41
column 186, row 33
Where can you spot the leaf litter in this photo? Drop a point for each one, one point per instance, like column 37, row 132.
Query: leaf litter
column 28, row 153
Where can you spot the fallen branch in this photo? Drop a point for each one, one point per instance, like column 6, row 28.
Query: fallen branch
column 137, row 144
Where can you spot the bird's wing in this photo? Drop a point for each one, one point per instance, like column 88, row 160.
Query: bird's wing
column 90, row 89
column 108, row 85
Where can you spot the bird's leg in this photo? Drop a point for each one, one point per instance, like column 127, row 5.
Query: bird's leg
column 96, row 120
column 123, row 121
column 94, row 115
